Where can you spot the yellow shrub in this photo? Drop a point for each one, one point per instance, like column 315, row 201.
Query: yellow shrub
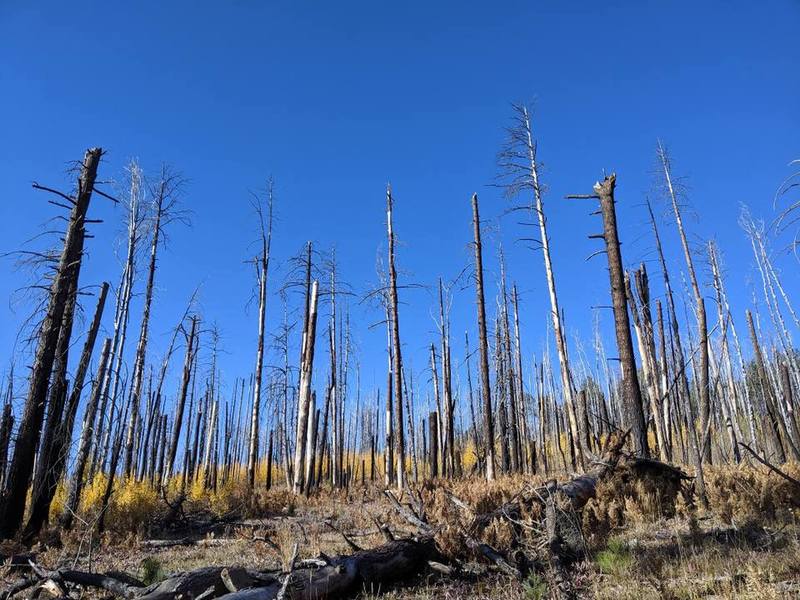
column 59, row 500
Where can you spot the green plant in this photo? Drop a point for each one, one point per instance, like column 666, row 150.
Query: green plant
column 535, row 587
column 616, row 559
column 152, row 570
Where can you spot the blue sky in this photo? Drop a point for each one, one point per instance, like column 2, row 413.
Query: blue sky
column 336, row 99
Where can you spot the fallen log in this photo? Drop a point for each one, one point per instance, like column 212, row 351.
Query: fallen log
column 334, row 577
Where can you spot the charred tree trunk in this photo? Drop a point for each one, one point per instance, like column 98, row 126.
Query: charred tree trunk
column 397, row 363
column 66, row 276
column 58, row 449
column 177, row 423
column 483, row 344
column 632, row 395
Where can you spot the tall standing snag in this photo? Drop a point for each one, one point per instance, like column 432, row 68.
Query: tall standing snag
column 302, row 449
column 397, row 362
column 262, row 267
column 19, row 476
column 483, row 344
column 518, row 161
column 700, row 310
column 632, row 394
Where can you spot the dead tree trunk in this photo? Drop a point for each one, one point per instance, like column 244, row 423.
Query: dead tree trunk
column 679, row 363
column 302, row 452
column 87, row 433
column 262, row 267
column 519, row 162
column 177, row 423
column 43, row 493
column 19, row 477
column 632, row 395
column 483, row 344
column 161, row 203
column 643, row 325
column 397, row 363
column 770, row 421
column 700, row 308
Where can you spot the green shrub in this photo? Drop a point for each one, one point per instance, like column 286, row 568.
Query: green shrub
column 152, row 570
column 535, row 587
column 616, row 559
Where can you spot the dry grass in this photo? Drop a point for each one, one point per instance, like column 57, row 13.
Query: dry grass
column 643, row 539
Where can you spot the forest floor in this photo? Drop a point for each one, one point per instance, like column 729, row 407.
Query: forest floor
column 746, row 545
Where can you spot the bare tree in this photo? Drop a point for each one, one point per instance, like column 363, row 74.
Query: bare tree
column 262, row 266
column 483, row 344
column 165, row 193
column 21, row 468
column 700, row 306
column 397, row 363
column 632, row 395
column 520, row 169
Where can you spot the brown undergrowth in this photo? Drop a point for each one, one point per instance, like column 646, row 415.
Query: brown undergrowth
column 643, row 538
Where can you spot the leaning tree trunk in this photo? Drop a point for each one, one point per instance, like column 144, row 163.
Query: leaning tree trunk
column 770, row 421
column 62, row 431
column 700, row 308
column 177, row 424
column 19, row 477
column 85, row 442
column 680, row 370
column 141, row 347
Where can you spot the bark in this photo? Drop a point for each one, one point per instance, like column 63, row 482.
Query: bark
column 6, row 427
column 433, row 454
column 643, row 326
column 314, row 579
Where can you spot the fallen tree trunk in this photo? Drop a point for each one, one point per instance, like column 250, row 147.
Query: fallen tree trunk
column 316, row 579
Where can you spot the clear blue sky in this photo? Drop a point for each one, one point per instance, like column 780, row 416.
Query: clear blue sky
column 336, row 99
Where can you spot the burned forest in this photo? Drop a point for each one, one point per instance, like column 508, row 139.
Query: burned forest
column 342, row 349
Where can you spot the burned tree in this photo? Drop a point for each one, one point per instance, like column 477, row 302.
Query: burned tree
column 520, row 169
column 483, row 343
column 397, row 362
column 632, row 395
column 700, row 307
column 262, row 266
column 64, row 281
